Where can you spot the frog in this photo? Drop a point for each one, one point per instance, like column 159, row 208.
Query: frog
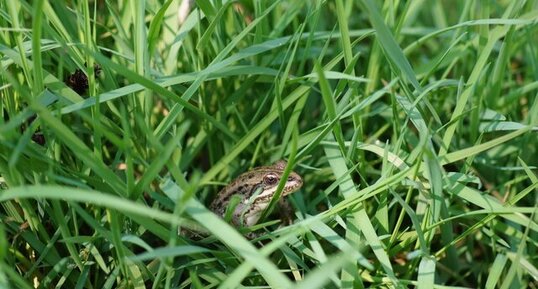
column 254, row 189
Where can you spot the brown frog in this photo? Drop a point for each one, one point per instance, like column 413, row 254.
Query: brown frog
column 254, row 190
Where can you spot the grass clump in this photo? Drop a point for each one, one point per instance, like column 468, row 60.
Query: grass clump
column 413, row 125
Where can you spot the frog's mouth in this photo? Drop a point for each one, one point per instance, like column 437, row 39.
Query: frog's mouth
column 291, row 186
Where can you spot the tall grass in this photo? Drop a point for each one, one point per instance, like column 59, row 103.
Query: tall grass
column 413, row 123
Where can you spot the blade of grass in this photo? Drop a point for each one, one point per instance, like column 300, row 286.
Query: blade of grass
column 392, row 51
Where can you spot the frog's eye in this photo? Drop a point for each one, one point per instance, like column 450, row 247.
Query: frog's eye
column 270, row 179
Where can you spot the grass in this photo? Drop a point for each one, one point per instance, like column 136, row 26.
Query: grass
column 413, row 123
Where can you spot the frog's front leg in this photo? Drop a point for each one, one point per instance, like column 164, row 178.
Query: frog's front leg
column 286, row 213
column 285, row 210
